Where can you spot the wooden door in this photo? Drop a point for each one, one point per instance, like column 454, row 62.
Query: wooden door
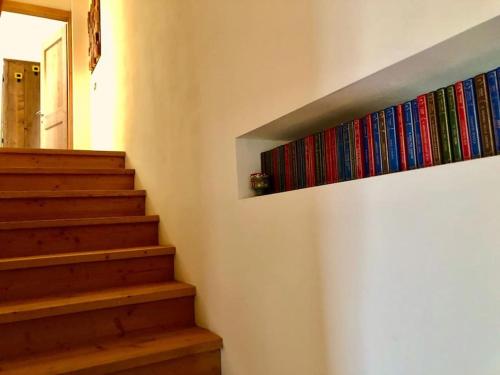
column 54, row 129
column 21, row 104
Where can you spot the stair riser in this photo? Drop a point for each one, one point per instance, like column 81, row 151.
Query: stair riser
column 69, row 208
column 36, row 182
column 60, row 161
column 38, row 241
column 25, row 283
column 198, row 364
column 61, row 332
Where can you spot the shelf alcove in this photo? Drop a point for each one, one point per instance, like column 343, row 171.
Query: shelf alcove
column 462, row 56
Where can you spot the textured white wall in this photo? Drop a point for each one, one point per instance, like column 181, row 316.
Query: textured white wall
column 391, row 275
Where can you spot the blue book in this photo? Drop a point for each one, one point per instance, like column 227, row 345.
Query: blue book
column 418, row 134
column 392, row 139
column 472, row 119
column 409, row 135
column 492, row 79
column 340, row 151
column 347, row 153
column 364, row 130
column 376, row 144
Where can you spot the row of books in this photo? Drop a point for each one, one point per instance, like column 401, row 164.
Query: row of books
column 455, row 123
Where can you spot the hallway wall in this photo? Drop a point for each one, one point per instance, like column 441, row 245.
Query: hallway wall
column 390, row 275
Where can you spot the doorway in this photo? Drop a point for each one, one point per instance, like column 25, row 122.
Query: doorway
column 35, row 94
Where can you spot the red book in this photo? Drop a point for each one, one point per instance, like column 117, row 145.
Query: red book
column 462, row 121
column 310, row 161
column 358, row 148
column 288, row 168
column 276, row 175
column 371, row 149
column 403, row 157
column 425, row 129
column 331, row 156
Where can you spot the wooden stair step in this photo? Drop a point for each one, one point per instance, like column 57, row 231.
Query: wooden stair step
column 60, row 223
column 83, row 271
column 96, row 300
column 65, row 171
column 29, row 179
column 120, row 354
column 45, row 158
column 49, row 260
column 41, row 237
column 44, row 205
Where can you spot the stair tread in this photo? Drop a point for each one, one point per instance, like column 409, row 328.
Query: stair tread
column 70, row 194
column 83, row 257
column 68, row 171
column 69, row 303
column 56, row 223
column 116, row 354
column 39, row 151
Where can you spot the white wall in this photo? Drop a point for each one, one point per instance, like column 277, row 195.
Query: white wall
column 81, row 74
column 384, row 276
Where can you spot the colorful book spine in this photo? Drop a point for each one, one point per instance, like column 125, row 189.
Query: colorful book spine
column 444, row 126
column 403, row 152
column 383, row 141
column 456, row 147
column 331, row 156
column 376, row 144
column 419, row 152
column 366, row 156
column 462, row 121
column 339, row 135
column 493, row 89
column 323, row 157
column 485, row 124
column 392, row 139
column 425, row 130
column 282, row 167
column 472, row 118
column 410, row 136
column 288, row 167
column 320, row 172
column 310, row 161
column 352, row 148
column 295, row 164
column 276, row 176
column 433, row 127
column 359, row 149
column 370, row 155
column 347, row 153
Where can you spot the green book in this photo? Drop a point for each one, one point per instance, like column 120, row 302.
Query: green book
column 456, row 146
column 443, row 126
column 434, row 129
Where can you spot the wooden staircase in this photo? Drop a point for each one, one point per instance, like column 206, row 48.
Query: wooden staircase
column 85, row 288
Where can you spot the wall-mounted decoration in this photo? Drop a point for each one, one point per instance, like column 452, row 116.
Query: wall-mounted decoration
column 94, row 26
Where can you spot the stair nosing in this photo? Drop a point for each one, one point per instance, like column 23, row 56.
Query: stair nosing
column 58, row 259
column 64, row 223
column 61, row 194
column 129, row 352
column 31, row 151
column 67, row 171
column 64, row 304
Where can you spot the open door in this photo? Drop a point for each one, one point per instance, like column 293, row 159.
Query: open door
column 54, row 90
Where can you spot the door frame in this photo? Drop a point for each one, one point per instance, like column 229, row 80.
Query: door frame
column 58, row 15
